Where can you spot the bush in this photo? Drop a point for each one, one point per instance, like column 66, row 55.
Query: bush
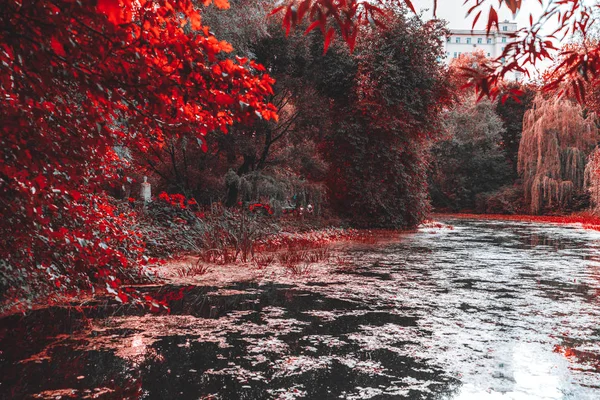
column 174, row 224
column 170, row 225
column 506, row 200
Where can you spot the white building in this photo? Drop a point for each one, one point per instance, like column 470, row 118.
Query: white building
column 465, row 41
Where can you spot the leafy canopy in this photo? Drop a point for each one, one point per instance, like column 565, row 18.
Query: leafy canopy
column 531, row 45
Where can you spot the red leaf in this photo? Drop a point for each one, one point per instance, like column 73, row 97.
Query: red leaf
column 57, row 47
column 195, row 21
column 202, row 143
column 328, row 39
column 492, row 19
column 312, row 26
column 41, row 181
column 302, row 9
column 476, row 19
column 224, row 99
column 112, row 10
column 513, row 5
column 351, row 40
column 287, row 21
column 222, row 4
column 122, row 297
column 75, row 195
column 276, row 10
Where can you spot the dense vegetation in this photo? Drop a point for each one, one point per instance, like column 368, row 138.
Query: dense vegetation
column 515, row 155
column 351, row 135
column 286, row 128
column 93, row 106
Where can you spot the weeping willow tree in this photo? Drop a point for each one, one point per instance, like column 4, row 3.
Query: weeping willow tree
column 592, row 179
column 556, row 141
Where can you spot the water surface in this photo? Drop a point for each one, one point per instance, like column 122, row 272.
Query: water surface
column 487, row 310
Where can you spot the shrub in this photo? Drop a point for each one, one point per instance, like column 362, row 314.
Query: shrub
column 506, row 200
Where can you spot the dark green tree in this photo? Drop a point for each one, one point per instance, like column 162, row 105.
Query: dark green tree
column 382, row 126
column 511, row 112
column 470, row 160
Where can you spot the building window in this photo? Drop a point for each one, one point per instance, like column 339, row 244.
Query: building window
column 455, row 55
column 503, row 60
column 503, row 40
column 503, row 48
column 505, row 28
column 479, row 40
column 449, row 39
column 457, row 40
column 489, row 40
column 468, row 40
column 489, row 55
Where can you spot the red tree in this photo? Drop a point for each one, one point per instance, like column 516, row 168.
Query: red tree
column 77, row 81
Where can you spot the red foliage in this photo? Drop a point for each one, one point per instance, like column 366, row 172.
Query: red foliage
column 79, row 79
column 260, row 206
column 531, row 45
column 349, row 16
column 175, row 200
column 569, row 18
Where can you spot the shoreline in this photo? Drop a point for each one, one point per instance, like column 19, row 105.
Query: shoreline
column 316, row 249
column 584, row 221
column 268, row 263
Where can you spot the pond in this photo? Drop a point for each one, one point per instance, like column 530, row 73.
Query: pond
column 486, row 310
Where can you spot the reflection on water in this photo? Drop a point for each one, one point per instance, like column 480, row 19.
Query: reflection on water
column 488, row 310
